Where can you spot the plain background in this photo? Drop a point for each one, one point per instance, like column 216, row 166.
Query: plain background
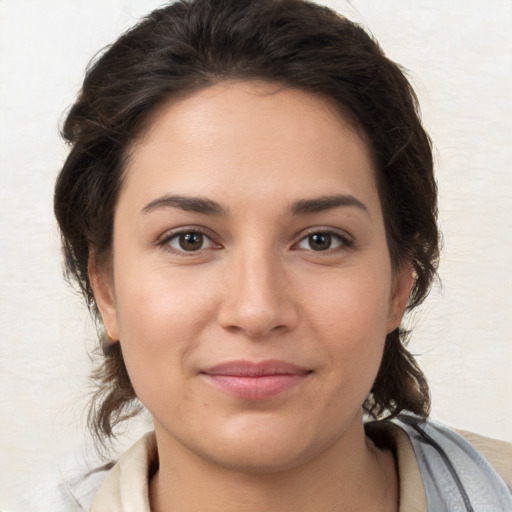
column 459, row 53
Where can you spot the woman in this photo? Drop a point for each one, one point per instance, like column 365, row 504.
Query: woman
column 249, row 206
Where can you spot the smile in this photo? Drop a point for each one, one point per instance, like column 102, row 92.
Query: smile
column 255, row 381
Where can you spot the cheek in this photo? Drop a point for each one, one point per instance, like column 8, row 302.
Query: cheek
column 160, row 320
column 350, row 313
column 356, row 300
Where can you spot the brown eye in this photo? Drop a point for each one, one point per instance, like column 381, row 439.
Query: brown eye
column 190, row 241
column 324, row 241
column 320, row 241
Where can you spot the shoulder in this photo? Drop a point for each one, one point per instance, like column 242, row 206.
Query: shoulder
column 454, row 471
column 497, row 452
column 465, row 449
column 442, row 468
column 128, row 481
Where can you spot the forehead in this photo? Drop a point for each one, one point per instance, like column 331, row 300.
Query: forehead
column 249, row 137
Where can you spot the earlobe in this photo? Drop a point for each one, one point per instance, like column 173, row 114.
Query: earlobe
column 103, row 289
column 401, row 291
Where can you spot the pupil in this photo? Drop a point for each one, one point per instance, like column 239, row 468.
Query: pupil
column 191, row 241
column 320, row 241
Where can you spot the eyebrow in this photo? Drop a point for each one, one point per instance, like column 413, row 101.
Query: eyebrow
column 209, row 207
column 320, row 204
column 186, row 203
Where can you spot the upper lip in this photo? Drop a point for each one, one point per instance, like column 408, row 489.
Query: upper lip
column 243, row 368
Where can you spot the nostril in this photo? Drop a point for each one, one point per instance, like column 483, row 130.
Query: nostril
column 260, row 322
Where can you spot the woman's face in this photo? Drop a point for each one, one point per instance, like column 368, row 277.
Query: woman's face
column 252, row 288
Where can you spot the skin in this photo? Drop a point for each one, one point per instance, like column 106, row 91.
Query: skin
column 257, row 288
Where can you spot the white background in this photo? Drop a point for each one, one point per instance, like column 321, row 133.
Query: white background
column 459, row 53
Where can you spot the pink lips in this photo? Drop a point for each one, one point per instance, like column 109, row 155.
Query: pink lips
column 255, row 381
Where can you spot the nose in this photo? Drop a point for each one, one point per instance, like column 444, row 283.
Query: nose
column 258, row 300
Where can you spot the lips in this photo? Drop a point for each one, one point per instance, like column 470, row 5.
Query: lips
column 255, row 380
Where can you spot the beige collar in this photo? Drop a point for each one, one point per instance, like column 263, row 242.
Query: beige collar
column 412, row 497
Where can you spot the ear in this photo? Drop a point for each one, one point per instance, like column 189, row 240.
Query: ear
column 103, row 288
column 402, row 284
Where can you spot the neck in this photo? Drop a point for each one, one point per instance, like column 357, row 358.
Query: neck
column 352, row 475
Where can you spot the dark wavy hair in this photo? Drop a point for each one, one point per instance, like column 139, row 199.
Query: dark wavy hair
column 189, row 45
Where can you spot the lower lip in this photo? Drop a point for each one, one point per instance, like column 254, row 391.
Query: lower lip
column 260, row 387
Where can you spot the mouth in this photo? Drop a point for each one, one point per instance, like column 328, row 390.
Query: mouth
column 255, row 380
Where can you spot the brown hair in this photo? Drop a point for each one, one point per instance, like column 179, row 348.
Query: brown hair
column 192, row 44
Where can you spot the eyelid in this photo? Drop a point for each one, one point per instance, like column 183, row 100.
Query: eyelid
column 347, row 240
column 167, row 236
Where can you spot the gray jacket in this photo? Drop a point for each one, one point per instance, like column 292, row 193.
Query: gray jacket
column 456, row 477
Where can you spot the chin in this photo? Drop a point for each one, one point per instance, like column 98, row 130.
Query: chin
column 257, row 445
column 257, row 457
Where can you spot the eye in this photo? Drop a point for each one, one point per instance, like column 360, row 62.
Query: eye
column 189, row 241
column 323, row 241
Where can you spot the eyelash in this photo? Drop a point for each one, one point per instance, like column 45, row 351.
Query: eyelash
column 165, row 241
column 344, row 241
